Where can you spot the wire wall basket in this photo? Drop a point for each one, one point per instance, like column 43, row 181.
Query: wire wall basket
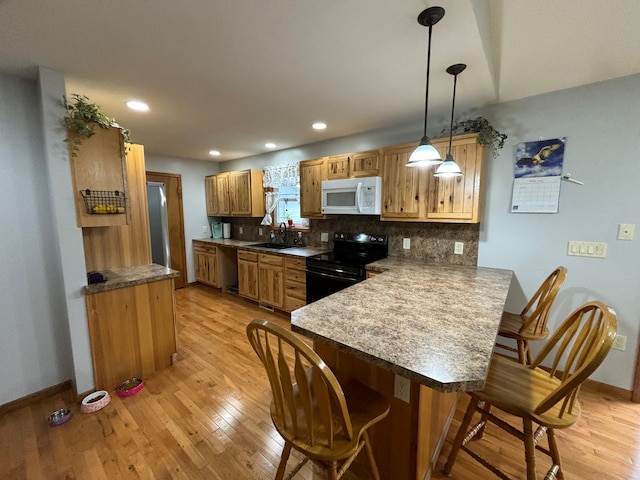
column 100, row 202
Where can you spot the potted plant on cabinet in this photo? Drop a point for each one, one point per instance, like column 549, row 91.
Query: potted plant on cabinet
column 81, row 119
column 488, row 135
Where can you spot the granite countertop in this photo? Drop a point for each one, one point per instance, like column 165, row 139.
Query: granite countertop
column 130, row 276
column 435, row 324
column 295, row 251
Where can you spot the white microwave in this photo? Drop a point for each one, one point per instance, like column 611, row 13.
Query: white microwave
column 352, row 196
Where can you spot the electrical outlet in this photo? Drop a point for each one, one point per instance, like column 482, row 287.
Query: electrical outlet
column 260, row 231
column 620, row 343
column 205, row 229
column 406, row 243
column 324, row 237
column 458, row 248
column 402, row 388
column 626, row 231
column 241, row 229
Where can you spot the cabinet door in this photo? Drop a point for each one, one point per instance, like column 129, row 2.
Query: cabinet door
column 222, row 195
column 240, row 193
column 456, row 199
column 100, row 165
column 365, row 164
column 338, row 166
column 248, row 279
column 200, row 262
column 271, row 285
column 212, row 270
column 312, row 172
column 210, row 193
column 400, row 185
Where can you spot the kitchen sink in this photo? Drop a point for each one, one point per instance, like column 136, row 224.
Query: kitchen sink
column 274, row 246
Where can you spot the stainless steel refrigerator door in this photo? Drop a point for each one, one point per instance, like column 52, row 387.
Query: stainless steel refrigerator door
column 158, row 223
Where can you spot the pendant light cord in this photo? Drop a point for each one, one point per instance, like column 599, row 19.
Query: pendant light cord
column 453, row 104
column 426, row 90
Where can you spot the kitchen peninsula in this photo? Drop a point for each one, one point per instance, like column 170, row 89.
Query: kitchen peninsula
column 432, row 324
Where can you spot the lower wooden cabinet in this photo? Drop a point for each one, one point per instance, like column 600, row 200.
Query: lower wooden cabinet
column 295, row 283
column 271, row 280
column 248, row 274
column 132, row 332
column 205, row 259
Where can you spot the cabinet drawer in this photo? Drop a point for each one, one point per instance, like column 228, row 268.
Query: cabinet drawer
column 204, row 248
column 299, row 276
column 275, row 260
column 296, row 290
column 247, row 255
column 295, row 263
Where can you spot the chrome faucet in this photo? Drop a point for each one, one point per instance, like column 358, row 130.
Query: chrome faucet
column 283, row 232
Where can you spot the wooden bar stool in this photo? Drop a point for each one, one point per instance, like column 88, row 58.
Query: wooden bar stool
column 310, row 409
column 547, row 397
column 531, row 323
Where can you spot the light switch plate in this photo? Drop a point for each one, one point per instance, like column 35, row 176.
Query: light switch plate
column 406, row 243
column 324, row 237
column 205, row 229
column 587, row 249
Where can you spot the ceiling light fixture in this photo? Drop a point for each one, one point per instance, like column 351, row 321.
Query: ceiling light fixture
column 270, row 145
column 137, row 105
column 449, row 168
column 426, row 154
column 214, row 153
column 319, row 126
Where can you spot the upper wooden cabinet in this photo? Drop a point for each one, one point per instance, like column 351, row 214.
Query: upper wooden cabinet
column 457, row 199
column 100, row 166
column 361, row 164
column 413, row 194
column 235, row 194
column 312, row 173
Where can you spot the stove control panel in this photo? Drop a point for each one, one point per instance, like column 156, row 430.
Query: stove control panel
column 360, row 238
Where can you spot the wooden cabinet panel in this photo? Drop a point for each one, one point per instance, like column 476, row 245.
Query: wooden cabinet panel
column 205, row 260
column 240, row 193
column 295, row 295
column 413, row 194
column 248, row 274
column 400, row 185
column 210, row 195
column 221, row 195
column 100, row 165
column 132, row 332
column 271, row 280
column 365, row 164
column 123, row 245
column 457, row 199
column 338, row 166
column 312, row 173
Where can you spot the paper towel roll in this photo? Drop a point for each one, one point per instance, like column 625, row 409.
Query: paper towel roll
column 226, row 230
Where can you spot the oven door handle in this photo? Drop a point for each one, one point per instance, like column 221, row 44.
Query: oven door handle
column 328, row 275
column 358, row 199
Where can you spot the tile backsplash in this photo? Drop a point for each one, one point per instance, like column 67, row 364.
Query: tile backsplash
column 433, row 242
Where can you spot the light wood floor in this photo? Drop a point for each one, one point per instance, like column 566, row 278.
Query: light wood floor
column 207, row 418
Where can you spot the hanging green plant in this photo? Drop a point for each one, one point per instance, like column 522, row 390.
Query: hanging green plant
column 81, row 119
column 488, row 136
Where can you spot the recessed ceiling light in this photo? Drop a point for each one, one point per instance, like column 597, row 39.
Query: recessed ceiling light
column 139, row 106
column 270, row 145
column 215, row 153
column 319, row 126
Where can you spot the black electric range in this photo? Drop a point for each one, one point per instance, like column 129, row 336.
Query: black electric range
column 330, row 272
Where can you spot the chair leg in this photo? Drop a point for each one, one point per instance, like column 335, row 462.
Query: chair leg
column 555, row 453
column 372, row 460
column 457, row 443
column 522, row 355
column 527, row 348
column 286, row 450
column 333, row 471
column 483, row 419
column 529, row 448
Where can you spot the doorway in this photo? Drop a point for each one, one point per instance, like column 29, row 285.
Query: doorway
column 173, row 186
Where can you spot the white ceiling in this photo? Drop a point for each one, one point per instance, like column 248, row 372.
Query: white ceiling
column 233, row 74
